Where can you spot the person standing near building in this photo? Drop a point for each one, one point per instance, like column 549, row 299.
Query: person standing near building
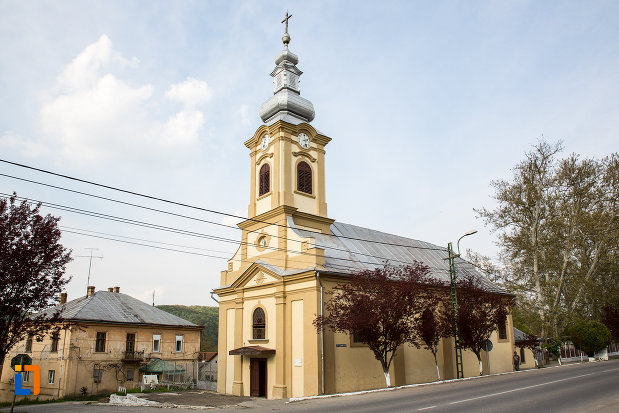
column 516, row 361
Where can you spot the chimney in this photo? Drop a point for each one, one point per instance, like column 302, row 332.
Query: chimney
column 116, row 289
column 91, row 290
column 63, row 298
column 110, row 289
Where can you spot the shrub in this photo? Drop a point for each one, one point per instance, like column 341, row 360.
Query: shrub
column 589, row 336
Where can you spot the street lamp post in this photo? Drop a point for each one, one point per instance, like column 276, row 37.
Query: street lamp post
column 454, row 301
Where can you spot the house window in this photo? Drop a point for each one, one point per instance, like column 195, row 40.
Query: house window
column 503, row 330
column 522, row 360
column 356, row 338
column 55, row 339
column 304, row 178
column 156, row 343
column 97, row 375
column 51, row 375
column 259, row 324
column 130, row 374
column 100, row 343
column 179, row 344
column 265, row 179
column 29, row 344
column 130, row 346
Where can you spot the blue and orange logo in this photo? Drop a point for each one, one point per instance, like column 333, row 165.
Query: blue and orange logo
column 19, row 391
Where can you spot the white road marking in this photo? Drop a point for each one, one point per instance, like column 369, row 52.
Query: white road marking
column 530, row 387
column 426, row 408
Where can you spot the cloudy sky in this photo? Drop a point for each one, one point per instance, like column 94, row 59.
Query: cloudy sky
column 426, row 103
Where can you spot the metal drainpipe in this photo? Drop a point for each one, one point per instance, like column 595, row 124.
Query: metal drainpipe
column 214, row 299
column 322, row 334
column 64, row 340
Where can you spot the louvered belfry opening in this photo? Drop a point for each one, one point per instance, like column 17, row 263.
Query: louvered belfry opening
column 259, row 324
column 265, row 179
column 304, row 178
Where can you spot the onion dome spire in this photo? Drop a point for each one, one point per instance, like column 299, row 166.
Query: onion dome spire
column 286, row 103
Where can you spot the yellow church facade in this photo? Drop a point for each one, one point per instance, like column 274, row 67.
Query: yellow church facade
column 292, row 254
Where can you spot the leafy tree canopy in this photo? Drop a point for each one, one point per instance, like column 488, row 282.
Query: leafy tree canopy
column 201, row 315
column 382, row 308
column 558, row 229
column 32, row 267
column 589, row 336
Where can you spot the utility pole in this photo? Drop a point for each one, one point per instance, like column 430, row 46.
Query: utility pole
column 454, row 302
column 90, row 261
column 454, row 306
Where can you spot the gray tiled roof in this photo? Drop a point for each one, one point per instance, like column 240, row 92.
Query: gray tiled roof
column 350, row 248
column 110, row 307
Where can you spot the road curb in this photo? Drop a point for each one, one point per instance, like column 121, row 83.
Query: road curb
column 408, row 386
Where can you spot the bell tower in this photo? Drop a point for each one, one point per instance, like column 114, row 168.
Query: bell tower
column 287, row 153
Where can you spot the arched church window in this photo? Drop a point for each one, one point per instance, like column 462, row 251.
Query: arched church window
column 265, row 179
column 259, row 324
column 304, row 178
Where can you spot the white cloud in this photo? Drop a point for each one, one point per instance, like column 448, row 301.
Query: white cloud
column 92, row 114
column 190, row 93
column 84, row 69
column 183, row 127
column 11, row 140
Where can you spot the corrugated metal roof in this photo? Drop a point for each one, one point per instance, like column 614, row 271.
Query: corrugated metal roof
column 350, row 248
column 106, row 306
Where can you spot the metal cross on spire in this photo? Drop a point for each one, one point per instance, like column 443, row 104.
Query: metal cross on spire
column 286, row 21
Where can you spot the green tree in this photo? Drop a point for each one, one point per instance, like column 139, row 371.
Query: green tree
column 201, row 315
column 589, row 336
column 559, row 234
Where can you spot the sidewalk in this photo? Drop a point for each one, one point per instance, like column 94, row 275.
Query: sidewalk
column 193, row 399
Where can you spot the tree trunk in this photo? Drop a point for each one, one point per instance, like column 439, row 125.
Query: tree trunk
column 566, row 255
column 438, row 373
column 387, row 377
column 481, row 371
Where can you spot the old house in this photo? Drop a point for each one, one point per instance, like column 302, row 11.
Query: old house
column 110, row 340
column 292, row 253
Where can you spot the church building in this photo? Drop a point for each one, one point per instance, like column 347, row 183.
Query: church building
column 292, row 253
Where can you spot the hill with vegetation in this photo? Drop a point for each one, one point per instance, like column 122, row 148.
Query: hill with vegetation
column 201, row 315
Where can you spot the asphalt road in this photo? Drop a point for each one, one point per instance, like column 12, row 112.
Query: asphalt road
column 588, row 387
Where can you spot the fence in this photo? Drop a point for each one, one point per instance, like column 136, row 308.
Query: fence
column 201, row 375
column 570, row 353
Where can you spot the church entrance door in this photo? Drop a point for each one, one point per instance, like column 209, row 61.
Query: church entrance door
column 258, row 377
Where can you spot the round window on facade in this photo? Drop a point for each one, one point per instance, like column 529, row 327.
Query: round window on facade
column 262, row 242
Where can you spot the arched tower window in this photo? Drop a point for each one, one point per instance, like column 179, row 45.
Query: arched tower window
column 259, row 324
column 265, row 179
column 304, row 178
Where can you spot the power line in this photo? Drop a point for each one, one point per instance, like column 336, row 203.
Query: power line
column 203, row 209
column 201, row 235
column 196, row 234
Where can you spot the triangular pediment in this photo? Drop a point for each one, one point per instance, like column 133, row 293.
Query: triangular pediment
column 254, row 276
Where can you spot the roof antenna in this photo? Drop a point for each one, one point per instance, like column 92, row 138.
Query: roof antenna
column 153, row 298
column 90, row 262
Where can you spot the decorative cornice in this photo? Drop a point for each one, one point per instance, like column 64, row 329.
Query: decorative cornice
column 305, row 154
column 266, row 155
column 317, row 218
column 262, row 218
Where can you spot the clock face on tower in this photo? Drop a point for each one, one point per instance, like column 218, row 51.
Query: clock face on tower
column 265, row 142
column 304, row 140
